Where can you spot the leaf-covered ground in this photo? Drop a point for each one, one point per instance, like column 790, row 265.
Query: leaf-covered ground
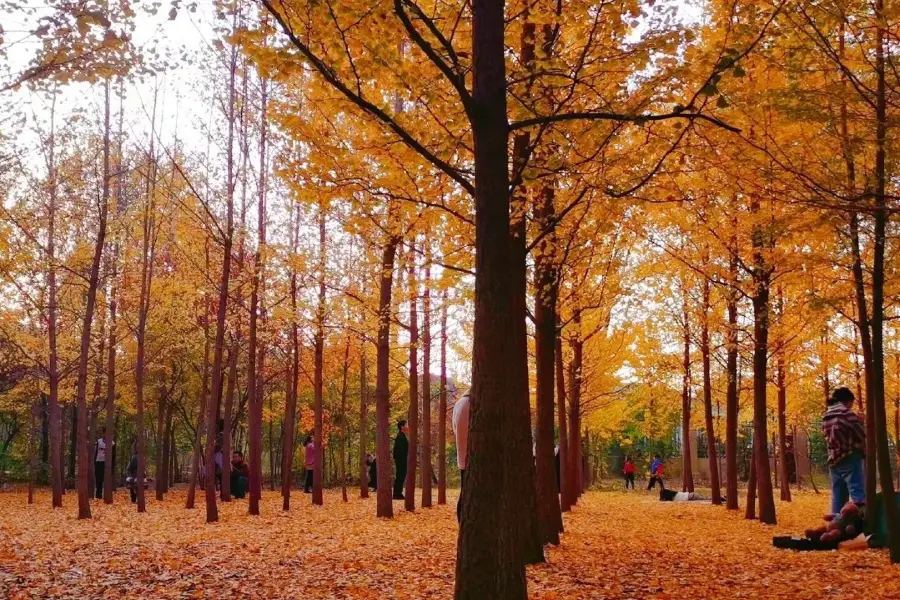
column 616, row 545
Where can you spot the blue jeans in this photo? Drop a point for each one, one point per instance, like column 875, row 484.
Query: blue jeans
column 848, row 482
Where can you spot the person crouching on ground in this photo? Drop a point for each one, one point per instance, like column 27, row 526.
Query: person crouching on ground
column 845, row 439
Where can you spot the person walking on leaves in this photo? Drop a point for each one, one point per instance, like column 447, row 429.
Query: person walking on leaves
column 401, row 453
column 629, row 470
column 656, row 473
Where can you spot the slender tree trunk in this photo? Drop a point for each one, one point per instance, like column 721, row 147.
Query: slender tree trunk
column 781, row 383
column 56, row 443
column 165, row 477
column 686, row 430
column 731, row 369
column 545, row 298
column 384, row 506
column 751, row 487
column 564, row 475
column 363, row 423
column 878, row 275
column 158, row 468
column 761, row 275
column 319, row 341
column 33, row 433
column 426, row 381
column 342, row 470
column 412, row 458
column 442, row 407
column 573, row 455
column 228, row 417
column 712, row 451
column 290, row 411
column 204, row 396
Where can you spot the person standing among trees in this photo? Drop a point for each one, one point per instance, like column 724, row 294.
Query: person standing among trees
column 373, row 472
column 461, row 430
column 100, row 463
column 845, row 437
column 309, row 462
column 629, row 470
column 401, row 453
column 656, row 473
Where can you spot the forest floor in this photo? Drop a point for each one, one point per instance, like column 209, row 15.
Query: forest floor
column 617, row 545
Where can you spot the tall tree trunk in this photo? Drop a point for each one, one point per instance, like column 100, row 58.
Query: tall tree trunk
column 564, row 475
column 204, row 396
column 385, row 507
column 54, row 415
column 426, row 381
column 165, row 477
column 686, row 430
column 412, row 457
column 731, row 394
column 573, row 454
column 158, row 468
column 319, row 341
column 228, row 416
column 363, row 423
column 762, row 276
column 290, row 410
column 878, row 275
column 712, row 451
column 781, row 384
column 522, row 477
column 342, row 471
column 113, row 306
column 545, row 298
column 490, row 561
column 442, row 407
column 750, row 510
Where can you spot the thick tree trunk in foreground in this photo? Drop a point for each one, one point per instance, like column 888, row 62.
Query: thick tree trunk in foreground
column 385, row 507
column 490, row 562
column 290, row 409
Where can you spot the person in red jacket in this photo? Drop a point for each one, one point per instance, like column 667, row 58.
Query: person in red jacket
column 629, row 470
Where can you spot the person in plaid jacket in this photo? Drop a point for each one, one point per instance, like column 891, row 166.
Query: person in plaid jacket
column 845, row 438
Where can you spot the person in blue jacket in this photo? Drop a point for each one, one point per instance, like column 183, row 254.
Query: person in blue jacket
column 656, row 473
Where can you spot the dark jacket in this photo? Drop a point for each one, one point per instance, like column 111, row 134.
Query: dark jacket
column 373, row 474
column 401, row 448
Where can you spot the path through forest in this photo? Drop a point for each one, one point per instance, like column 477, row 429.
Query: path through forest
column 617, row 546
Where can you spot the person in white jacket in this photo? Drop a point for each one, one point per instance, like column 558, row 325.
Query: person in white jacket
column 461, row 430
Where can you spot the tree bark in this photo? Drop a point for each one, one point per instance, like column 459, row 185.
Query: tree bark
column 751, row 487
column 342, row 471
column 687, row 471
column 878, row 275
column 545, row 298
column 781, row 383
column 731, row 369
column 412, row 458
column 363, row 423
column 204, row 395
column 426, row 381
column 54, row 415
column 564, row 475
column 319, row 341
column 442, row 407
column 227, row 418
column 762, row 276
column 290, row 410
column 712, row 451
column 384, row 506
